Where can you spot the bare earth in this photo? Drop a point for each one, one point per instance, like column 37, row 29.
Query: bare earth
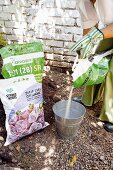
column 92, row 149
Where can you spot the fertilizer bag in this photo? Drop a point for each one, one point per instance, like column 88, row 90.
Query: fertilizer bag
column 23, row 104
column 92, row 70
column 22, row 59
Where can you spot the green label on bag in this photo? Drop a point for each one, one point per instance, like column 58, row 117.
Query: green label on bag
column 34, row 67
column 23, row 59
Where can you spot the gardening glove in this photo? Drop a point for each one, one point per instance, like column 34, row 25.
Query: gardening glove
column 88, row 44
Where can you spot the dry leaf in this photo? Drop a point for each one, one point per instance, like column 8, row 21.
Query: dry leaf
column 72, row 160
column 18, row 147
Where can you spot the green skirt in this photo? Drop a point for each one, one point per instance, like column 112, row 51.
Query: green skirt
column 104, row 91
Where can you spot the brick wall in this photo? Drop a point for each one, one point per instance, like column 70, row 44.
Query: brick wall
column 55, row 22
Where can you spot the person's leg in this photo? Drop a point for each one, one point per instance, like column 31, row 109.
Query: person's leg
column 92, row 94
column 107, row 109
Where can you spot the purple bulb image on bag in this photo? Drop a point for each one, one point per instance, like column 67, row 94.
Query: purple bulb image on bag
column 24, row 109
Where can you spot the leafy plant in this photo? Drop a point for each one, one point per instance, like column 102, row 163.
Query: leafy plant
column 3, row 41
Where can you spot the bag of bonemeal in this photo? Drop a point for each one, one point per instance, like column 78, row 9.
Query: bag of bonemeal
column 23, row 104
column 22, row 59
column 92, row 70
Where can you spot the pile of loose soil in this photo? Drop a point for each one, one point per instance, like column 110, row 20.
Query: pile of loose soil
column 92, row 149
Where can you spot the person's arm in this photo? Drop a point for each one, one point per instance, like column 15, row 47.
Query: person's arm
column 91, row 19
column 85, row 31
column 108, row 31
column 88, row 13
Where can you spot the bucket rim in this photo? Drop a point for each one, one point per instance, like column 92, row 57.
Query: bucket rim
column 66, row 117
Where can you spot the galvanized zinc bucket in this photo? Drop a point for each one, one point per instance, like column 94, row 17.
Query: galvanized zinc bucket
column 67, row 127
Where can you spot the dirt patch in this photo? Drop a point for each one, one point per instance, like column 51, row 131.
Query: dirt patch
column 92, row 149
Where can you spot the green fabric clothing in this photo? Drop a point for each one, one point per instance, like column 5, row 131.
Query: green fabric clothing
column 104, row 91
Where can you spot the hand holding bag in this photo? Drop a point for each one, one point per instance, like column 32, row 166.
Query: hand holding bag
column 91, row 70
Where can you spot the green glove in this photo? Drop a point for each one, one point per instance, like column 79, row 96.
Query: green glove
column 88, row 44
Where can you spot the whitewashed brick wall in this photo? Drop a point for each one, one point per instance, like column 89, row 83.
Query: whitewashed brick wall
column 55, row 22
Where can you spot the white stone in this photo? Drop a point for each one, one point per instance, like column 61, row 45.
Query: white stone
column 22, row 10
column 62, row 37
column 0, row 8
column 73, row 30
column 52, row 56
column 77, row 37
column 1, row 29
column 58, row 50
column 19, row 31
column 33, row 11
column 57, row 60
column 49, row 56
column 43, row 28
column 30, row 39
column 66, row 4
column 67, row 44
column 55, row 12
column 58, row 57
column 29, row 33
column 21, row 41
column 48, row 49
column 54, row 43
column 5, row 2
column 8, row 30
column 31, row 26
column 11, row 8
column 12, row 24
column 59, row 29
column 5, row 16
column 78, row 21
column 58, row 63
column 48, row 3
column 24, row 3
column 44, row 19
column 14, row 1
column 64, row 21
column 29, row 19
column 30, row 11
column 31, row 2
column 45, row 36
column 69, row 58
column 65, row 37
column 100, row 124
column 42, row 149
column 18, row 17
column 14, row 37
column 1, row 23
column 71, row 13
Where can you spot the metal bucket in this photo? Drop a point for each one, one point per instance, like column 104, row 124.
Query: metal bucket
column 67, row 127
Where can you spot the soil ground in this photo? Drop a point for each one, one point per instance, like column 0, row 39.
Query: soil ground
column 92, row 148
